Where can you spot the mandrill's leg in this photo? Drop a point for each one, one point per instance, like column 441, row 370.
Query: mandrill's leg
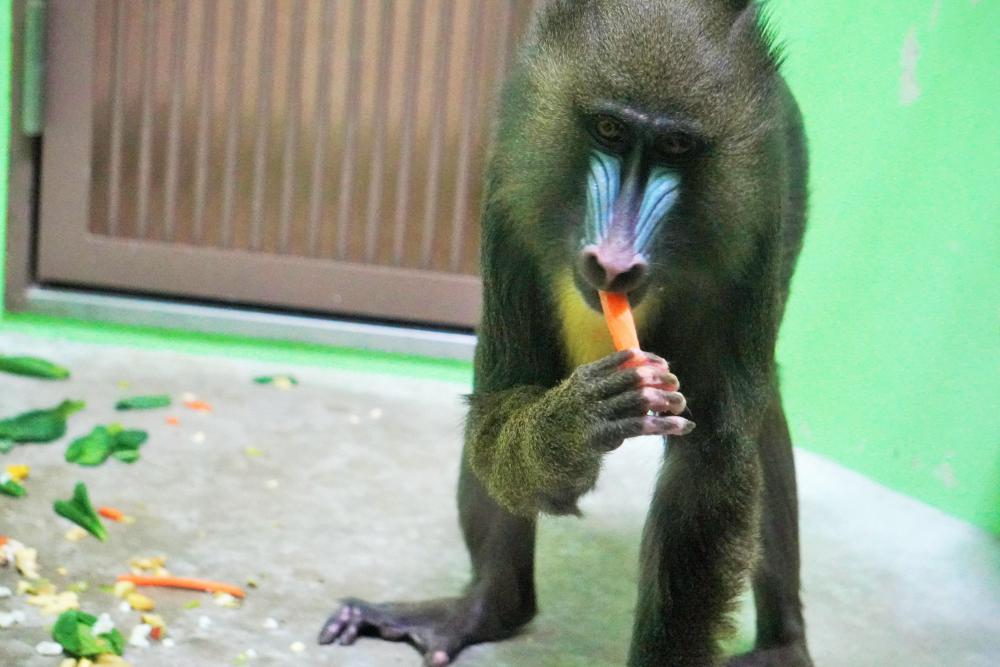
column 499, row 600
column 698, row 544
column 780, row 627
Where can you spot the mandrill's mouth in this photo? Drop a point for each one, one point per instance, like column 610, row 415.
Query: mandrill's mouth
column 590, row 296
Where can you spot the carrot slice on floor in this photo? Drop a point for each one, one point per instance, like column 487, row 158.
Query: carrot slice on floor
column 184, row 582
column 618, row 315
column 111, row 513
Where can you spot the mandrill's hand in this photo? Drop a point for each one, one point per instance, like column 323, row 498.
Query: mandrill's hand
column 614, row 397
column 538, row 449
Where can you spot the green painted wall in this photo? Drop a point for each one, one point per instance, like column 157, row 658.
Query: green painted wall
column 891, row 350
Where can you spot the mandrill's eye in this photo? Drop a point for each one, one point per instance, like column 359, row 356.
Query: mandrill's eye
column 676, row 144
column 610, row 131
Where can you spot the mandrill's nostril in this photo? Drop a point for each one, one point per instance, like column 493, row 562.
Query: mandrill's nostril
column 612, row 270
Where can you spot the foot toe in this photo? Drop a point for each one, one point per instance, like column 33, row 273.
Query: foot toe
column 438, row 659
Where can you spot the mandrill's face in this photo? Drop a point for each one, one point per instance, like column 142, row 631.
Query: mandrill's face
column 637, row 167
column 638, row 151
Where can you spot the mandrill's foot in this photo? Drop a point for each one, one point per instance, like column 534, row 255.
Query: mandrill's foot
column 791, row 655
column 439, row 629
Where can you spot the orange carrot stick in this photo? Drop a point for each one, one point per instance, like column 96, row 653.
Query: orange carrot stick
column 111, row 513
column 618, row 315
column 184, row 582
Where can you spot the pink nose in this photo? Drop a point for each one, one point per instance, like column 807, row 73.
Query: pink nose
column 612, row 269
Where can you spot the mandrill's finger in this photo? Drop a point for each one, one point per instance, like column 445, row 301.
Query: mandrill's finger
column 665, row 401
column 350, row 633
column 334, row 625
column 649, row 359
column 667, row 426
column 657, row 377
column 608, row 363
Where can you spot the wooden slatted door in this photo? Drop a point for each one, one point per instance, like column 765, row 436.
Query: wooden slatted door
column 313, row 155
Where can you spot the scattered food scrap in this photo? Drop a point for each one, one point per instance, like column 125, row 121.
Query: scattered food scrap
column 123, row 588
column 25, row 559
column 270, row 624
column 39, row 425
column 198, row 406
column 140, row 636
column 297, row 647
column 9, row 487
column 198, row 437
column 184, row 582
column 53, row 603
column 48, row 648
column 80, row 635
column 173, row 421
column 33, row 367
column 375, row 413
column 158, row 628
column 245, row 657
column 253, row 452
column 79, row 510
column 6, row 444
column 143, row 402
column 18, row 473
column 105, row 441
column 140, row 602
column 282, row 382
column 75, row 534
column 35, row 587
column 153, row 565
column 226, row 600
column 112, row 513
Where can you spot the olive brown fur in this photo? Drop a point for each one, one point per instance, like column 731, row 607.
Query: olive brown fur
column 685, row 101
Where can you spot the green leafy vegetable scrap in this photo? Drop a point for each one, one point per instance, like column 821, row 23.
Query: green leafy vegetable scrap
column 276, row 379
column 79, row 510
column 39, row 425
column 103, row 442
column 9, row 486
column 143, row 402
column 75, row 632
column 33, row 367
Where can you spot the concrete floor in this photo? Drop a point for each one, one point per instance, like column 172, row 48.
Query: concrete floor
column 365, row 468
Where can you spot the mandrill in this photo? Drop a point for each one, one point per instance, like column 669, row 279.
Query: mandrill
column 650, row 148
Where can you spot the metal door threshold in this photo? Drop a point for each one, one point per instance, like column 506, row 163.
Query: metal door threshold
column 252, row 323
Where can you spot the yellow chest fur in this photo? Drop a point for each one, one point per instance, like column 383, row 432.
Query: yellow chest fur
column 584, row 332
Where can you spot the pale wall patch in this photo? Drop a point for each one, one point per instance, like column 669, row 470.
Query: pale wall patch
column 909, row 87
